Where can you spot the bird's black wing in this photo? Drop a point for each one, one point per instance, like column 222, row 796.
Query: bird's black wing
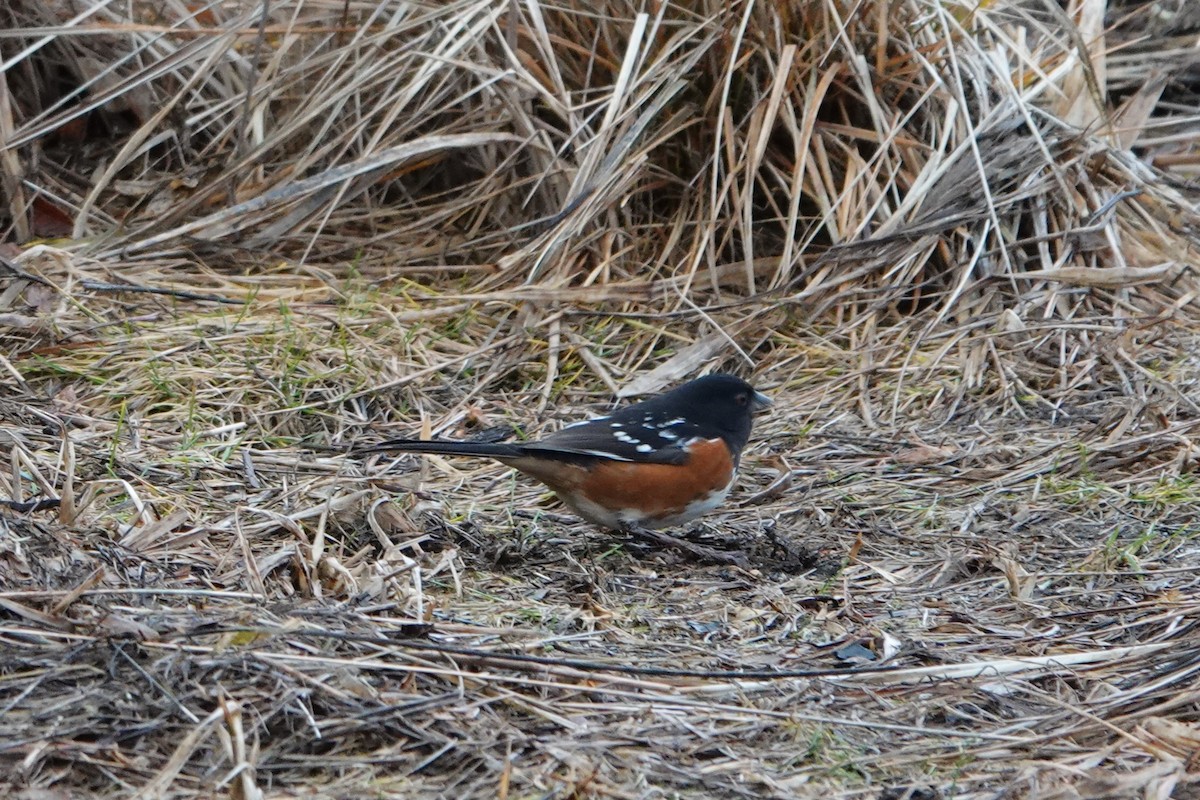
column 640, row 438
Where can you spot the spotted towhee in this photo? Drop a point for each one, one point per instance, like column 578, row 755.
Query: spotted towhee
column 658, row 463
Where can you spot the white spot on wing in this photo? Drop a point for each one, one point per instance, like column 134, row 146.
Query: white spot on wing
column 586, row 422
column 601, row 454
column 645, row 448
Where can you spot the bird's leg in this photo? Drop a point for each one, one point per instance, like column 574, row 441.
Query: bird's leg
column 700, row 551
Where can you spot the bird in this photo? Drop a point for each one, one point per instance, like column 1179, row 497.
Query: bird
column 655, row 464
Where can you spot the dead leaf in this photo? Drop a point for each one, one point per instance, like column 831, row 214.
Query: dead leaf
column 48, row 221
column 924, row 454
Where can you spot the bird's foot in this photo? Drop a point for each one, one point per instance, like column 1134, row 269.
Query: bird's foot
column 703, row 552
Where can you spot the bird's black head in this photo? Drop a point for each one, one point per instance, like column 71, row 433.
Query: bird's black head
column 723, row 403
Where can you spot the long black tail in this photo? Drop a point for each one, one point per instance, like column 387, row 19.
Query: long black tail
column 445, row 448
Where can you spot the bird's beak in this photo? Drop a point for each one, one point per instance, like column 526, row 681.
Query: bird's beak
column 761, row 401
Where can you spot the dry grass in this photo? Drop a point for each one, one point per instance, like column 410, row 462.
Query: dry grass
column 956, row 242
